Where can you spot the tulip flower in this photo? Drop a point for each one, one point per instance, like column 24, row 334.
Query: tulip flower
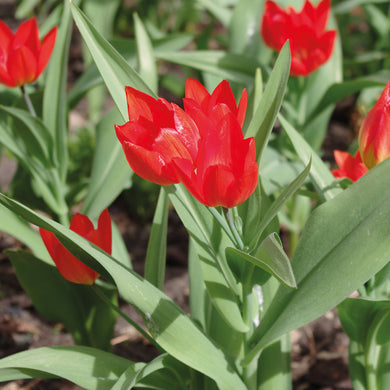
column 349, row 166
column 374, row 133
column 23, row 57
column 69, row 266
column 310, row 45
column 157, row 132
column 225, row 172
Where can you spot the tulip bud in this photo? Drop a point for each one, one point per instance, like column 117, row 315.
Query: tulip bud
column 374, row 134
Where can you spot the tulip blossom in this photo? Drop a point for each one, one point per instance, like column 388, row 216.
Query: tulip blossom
column 349, row 166
column 69, row 266
column 225, row 172
column 374, row 133
column 201, row 146
column 310, row 45
column 157, row 132
column 23, row 57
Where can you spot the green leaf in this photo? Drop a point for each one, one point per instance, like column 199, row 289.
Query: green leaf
column 89, row 319
column 286, row 194
column 170, row 326
column 264, row 118
column 87, row 367
column 162, row 365
column 15, row 226
column 110, row 171
column 146, row 61
column 233, row 67
column 338, row 91
column 116, row 72
column 321, row 176
column 221, row 13
column 54, row 97
column 343, row 244
column 210, row 241
column 38, row 139
column 270, row 257
column 157, row 245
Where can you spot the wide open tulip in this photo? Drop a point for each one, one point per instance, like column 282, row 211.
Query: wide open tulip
column 310, row 45
column 69, row 266
column 157, row 132
column 349, row 166
column 225, row 172
column 22, row 55
column 374, row 133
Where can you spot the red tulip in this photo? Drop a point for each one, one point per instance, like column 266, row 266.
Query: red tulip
column 225, row 172
column 310, row 45
column 374, row 134
column 349, row 166
column 69, row 266
column 157, row 132
column 22, row 55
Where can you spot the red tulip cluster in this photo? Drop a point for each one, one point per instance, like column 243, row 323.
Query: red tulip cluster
column 201, row 146
column 69, row 266
column 22, row 55
column 311, row 46
column 374, row 141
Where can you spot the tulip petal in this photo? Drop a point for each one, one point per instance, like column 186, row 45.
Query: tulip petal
column 22, row 66
column 28, row 35
column 6, row 36
column 196, row 91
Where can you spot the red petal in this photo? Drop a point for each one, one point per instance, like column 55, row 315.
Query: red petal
column 6, row 36
column 22, row 66
column 81, row 224
column 104, row 231
column 196, row 91
column 28, row 35
column 242, row 107
column 46, row 49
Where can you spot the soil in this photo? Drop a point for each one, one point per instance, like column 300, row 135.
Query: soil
column 319, row 350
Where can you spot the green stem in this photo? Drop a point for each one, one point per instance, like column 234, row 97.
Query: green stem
column 233, row 229
column 127, row 318
column 28, row 102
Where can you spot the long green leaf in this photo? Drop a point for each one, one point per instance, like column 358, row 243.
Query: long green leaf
column 157, row 245
column 54, row 98
column 265, row 115
column 233, row 67
column 321, row 176
column 110, row 171
column 169, row 325
column 344, row 243
column 146, row 60
column 90, row 368
column 116, row 72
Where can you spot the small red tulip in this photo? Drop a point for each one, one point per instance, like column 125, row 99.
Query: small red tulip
column 69, row 266
column 22, row 55
column 349, row 166
column 374, row 134
column 157, row 132
column 310, row 45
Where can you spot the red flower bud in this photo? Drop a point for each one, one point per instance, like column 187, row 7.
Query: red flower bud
column 310, row 45
column 374, row 134
column 22, row 55
column 69, row 266
column 350, row 167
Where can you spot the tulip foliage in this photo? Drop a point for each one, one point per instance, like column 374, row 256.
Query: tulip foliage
column 237, row 186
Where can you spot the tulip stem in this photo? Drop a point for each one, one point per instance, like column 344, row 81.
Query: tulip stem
column 28, row 102
column 233, row 228
column 127, row 318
